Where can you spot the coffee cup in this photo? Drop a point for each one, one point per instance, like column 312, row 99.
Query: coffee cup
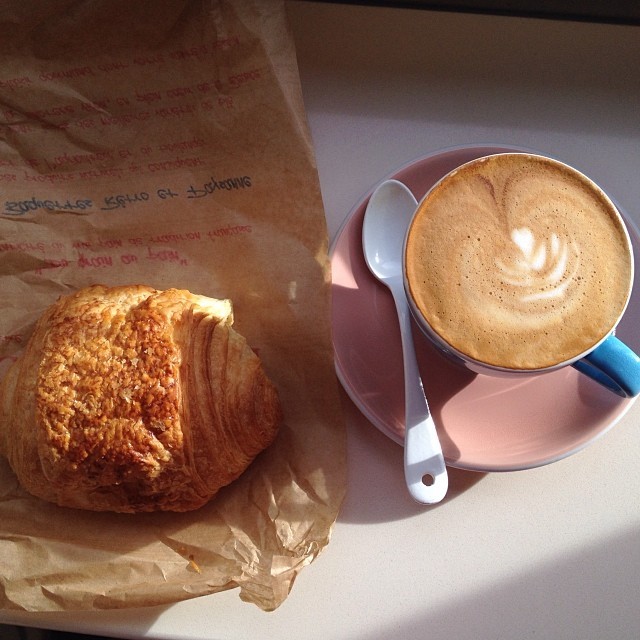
column 518, row 264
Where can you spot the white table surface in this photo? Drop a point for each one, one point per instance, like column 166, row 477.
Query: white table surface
column 553, row 552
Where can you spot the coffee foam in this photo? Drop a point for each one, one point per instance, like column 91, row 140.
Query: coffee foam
column 519, row 262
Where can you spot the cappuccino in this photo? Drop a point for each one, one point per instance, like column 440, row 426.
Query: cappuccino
column 518, row 261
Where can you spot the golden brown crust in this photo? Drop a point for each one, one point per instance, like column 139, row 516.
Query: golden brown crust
column 131, row 399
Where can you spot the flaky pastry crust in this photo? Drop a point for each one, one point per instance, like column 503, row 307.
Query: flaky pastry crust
column 132, row 399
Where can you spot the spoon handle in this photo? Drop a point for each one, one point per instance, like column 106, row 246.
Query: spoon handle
column 424, row 467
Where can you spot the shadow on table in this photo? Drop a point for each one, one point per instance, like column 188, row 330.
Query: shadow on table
column 588, row 591
column 376, row 490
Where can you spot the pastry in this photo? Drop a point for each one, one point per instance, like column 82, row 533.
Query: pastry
column 131, row 399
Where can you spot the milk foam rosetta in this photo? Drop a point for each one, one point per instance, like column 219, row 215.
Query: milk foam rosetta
column 518, row 262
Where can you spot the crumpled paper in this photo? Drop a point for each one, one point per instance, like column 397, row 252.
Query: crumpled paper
column 167, row 144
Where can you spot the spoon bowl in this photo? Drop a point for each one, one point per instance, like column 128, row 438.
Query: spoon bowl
column 385, row 224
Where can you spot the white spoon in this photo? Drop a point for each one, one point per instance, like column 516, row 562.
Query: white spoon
column 386, row 220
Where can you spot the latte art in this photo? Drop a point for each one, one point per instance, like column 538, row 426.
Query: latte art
column 545, row 269
column 542, row 270
column 528, row 283
column 518, row 262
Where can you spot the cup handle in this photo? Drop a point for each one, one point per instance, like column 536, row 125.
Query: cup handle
column 614, row 366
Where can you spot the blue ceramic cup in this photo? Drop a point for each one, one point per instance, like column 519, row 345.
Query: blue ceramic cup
column 517, row 264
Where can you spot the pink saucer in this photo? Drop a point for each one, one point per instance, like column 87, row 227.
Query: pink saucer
column 484, row 423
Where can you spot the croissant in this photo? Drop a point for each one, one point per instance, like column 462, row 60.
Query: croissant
column 131, row 399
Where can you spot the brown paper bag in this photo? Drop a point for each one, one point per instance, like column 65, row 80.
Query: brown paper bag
column 165, row 143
